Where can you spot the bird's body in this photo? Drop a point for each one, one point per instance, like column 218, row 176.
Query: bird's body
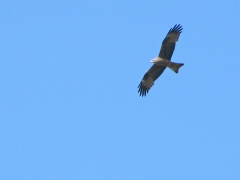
column 162, row 61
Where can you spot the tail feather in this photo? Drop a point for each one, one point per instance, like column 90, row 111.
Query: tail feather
column 175, row 66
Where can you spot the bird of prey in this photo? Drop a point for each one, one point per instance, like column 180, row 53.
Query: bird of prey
column 162, row 61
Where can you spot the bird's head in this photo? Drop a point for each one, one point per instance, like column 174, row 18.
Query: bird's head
column 156, row 60
column 153, row 60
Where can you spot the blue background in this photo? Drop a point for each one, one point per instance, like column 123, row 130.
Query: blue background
column 69, row 72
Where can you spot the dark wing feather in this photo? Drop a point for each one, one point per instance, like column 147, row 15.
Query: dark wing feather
column 168, row 44
column 148, row 79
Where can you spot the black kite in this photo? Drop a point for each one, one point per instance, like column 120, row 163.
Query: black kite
column 162, row 61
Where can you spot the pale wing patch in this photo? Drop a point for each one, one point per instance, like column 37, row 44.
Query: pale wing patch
column 173, row 37
column 147, row 84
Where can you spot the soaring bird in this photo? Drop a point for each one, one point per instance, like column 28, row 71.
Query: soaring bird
column 162, row 61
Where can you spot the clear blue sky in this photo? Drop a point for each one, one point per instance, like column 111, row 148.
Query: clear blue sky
column 70, row 109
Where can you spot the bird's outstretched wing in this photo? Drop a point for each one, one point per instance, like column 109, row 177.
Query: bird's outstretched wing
column 148, row 79
column 168, row 44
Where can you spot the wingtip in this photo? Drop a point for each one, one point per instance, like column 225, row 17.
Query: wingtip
column 176, row 28
column 142, row 91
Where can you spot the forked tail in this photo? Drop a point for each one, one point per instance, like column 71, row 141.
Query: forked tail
column 175, row 66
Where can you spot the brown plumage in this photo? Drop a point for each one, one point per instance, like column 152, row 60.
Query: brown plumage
column 162, row 61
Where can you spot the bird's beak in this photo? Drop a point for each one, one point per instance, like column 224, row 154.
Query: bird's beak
column 152, row 61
